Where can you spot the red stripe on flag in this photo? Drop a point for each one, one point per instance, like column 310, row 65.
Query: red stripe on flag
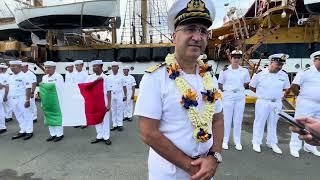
column 94, row 102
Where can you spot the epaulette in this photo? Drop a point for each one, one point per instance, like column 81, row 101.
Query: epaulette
column 155, row 67
column 259, row 71
column 225, row 68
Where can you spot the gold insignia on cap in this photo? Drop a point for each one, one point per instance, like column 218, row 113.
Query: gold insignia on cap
column 196, row 5
column 284, row 57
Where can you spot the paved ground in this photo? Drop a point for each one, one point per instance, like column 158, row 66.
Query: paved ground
column 75, row 158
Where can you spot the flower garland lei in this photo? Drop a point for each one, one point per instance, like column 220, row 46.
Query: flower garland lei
column 189, row 97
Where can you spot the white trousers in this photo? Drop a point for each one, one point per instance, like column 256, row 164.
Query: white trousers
column 128, row 109
column 55, row 131
column 2, row 114
column 307, row 108
column 117, row 109
column 33, row 107
column 265, row 111
column 23, row 115
column 233, row 112
column 7, row 109
column 103, row 129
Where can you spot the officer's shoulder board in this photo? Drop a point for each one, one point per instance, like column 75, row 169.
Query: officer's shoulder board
column 225, row 68
column 259, row 71
column 155, row 67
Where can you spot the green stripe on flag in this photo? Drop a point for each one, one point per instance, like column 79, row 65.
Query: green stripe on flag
column 50, row 104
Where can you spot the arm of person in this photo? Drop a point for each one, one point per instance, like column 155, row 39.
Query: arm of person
column 133, row 92
column 109, row 100
column 295, row 88
column 151, row 135
column 254, row 83
column 220, row 86
column 125, row 93
column 6, row 91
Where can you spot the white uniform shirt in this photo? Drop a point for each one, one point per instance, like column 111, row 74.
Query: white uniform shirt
column 32, row 77
column 159, row 99
column 70, row 77
column 56, row 78
column 80, row 77
column 270, row 85
column 130, row 82
column 106, row 85
column 116, row 83
column 18, row 83
column 233, row 81
column 309, row 82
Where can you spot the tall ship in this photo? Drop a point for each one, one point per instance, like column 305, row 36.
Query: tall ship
column 135, row 33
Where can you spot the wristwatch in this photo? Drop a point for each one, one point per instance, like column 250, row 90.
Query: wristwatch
column 216, row 155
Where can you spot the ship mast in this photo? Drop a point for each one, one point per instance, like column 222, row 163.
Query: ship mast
column 144, row 13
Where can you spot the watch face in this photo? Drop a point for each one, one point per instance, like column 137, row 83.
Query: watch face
column 218, row 157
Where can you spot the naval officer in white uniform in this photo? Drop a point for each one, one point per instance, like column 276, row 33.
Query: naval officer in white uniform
column 306, row 85
column 69, row 77
column 118, row 96
column 33, row 80
column 177, row 150
column 269, row 85
column 7, row 108
column 102, row 129
column 20, row 95
column 130, row 84
column 56, row 132
column 4, row 89
column 232, row 81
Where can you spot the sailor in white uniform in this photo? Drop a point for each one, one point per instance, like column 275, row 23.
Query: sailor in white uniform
column 4, row 89
column 56, row 132
column 103, row 129
column 33, row 80
column 130, row 84
column 269, row 85
column 118, row 96
column 306, row 85
column 20, row 96
column 232, row 82
column 6, row 105
column 69, row 78
column 80, row 76
column 173, row 94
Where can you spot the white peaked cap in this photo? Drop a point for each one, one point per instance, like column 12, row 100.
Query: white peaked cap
column 69, row 64
column 24, row 64
column 49, row 63
column 317, row 53
column 96, row 62
column 114, row 63
column 15, row 62
column 77, row 62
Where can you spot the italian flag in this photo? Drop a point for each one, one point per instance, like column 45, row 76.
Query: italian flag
column 73, row 104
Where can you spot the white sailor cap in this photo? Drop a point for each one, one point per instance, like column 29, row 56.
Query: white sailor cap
column 69, row 64
column 183, row 11
column 126, row 67
column 4, row 65
column 49, row 63
column 315, row 54
column 15, row 62
column 24, row 64
column 77, row 62
column 114, row 63
column 236, row 53
column 96, row 62
column 281, row 58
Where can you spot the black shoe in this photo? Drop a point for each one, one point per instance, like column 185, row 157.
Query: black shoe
column 114, row 128
column 58, row 138
column 19, row 135
column 51, row 138
column 3, row 131
column 8, row 119
column 28, row 136
column 96, row 141
column 83, row 127
column 120, row 128
column 35, row 121
column 108, row 142
column 76, row 126
column 129, row 119
column 125, row 119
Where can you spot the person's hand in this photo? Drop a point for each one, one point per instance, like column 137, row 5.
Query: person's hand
column 310, row 124
column 108, row 108
column 5, row 99
column 27, row 104
column 208, row 167
column 125, row 98
column 132, row 97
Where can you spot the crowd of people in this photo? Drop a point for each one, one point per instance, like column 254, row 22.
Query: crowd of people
column 18, row 96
